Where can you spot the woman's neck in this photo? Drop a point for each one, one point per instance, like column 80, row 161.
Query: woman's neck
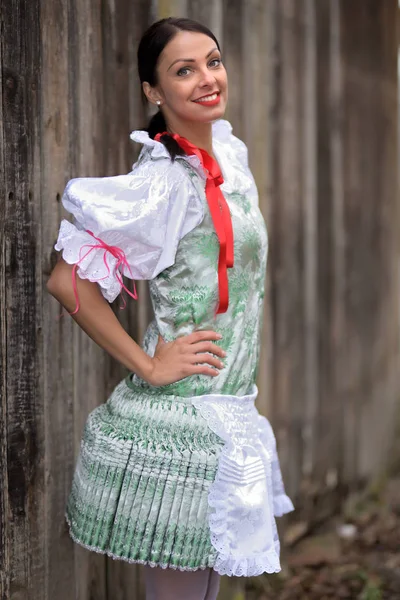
column 199, row 134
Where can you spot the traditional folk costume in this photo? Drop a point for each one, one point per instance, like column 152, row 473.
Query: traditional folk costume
column 184, row 475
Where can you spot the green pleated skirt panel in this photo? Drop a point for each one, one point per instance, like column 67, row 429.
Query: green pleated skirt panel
column 141, row 482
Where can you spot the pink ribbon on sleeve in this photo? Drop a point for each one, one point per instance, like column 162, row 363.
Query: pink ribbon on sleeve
column 118, row 253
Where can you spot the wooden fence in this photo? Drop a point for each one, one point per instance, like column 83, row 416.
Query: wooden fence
column 313, row 92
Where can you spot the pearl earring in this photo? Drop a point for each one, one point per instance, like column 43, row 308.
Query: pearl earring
column 158, row 102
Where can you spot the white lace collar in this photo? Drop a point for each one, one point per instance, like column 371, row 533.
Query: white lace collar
column 221, row 130
column 222, row 136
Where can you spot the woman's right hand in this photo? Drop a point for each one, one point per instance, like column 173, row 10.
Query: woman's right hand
column 175, row 360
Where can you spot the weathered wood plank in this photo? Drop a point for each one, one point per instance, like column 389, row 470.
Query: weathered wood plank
column 232, row 56
column 57, row 350
column 4, row 499
column 172, row 8
column 325, row 430
column 287, row 244
column 370, row 209
column 309, row 186
column 256, row 39
column 208, row 12
column 24, row 442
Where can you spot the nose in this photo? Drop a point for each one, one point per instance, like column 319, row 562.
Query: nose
column 206, row 78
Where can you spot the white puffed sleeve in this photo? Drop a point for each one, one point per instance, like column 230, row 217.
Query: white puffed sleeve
column 128, row 224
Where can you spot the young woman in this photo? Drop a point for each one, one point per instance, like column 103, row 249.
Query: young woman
column 177, row 470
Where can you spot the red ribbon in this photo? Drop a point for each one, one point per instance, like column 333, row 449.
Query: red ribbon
column 220, row 214
column 121, row 261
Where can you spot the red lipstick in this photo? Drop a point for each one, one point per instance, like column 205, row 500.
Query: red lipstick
column 209, row 102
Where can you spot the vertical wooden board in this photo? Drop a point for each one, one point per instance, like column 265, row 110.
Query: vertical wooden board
column 57, row 375
column 23, row 453
column 389, row 25
column 370, row 90
column 209, row 13
column 327, row 433
column 268, row 99
column 4, row 496
column 382, row 360
column 287, row 243
column 353, row 66
column 256, row 77
column 116, row 39
column 172, row 8
column 141, row 17
column 334, row 107
column 232, row 56
column 308, row 150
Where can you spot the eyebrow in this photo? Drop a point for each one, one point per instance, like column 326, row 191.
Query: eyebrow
column 190, row 59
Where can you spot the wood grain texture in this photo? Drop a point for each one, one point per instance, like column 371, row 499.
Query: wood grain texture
column 4, row 500
column 208, row 12
column 370, row 207
column 172, row 8
column 24, row 435
column 287, row 242
column 57, row 352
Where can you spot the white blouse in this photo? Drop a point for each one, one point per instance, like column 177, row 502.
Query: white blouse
column 144, row 213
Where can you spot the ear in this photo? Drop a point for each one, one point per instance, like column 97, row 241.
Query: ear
column 151, row 93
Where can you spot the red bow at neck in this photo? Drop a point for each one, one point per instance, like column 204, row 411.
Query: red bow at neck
column 220, row 214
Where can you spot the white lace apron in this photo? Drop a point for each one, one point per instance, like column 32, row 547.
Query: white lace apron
column 248, row 490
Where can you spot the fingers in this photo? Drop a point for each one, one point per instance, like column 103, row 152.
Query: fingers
column 203, row 370
column 188, row 355
column 202, row 342
column 207, row 358
column 208, row 347
column 198, row 336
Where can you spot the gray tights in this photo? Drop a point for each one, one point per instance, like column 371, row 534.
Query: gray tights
column 172, row 584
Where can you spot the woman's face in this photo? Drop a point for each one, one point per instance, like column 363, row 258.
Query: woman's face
column 192, row 81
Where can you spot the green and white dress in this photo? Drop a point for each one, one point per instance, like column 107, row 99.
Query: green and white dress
column 184, row 475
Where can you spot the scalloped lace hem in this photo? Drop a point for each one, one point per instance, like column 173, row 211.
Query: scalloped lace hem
column 242, row 566
column 248, row 491
column 138, row 561
column 70, row 241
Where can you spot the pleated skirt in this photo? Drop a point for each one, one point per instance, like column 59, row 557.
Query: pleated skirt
column 140, row 487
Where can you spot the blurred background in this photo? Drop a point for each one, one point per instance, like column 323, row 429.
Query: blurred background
column 314, row 93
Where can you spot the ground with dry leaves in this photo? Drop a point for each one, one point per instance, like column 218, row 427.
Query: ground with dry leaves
column 355, row 556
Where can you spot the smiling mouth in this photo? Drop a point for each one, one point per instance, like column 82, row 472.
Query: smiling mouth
column 208, row 98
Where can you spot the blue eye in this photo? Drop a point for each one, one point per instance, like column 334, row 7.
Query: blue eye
column 218, row 60
column 183, row 69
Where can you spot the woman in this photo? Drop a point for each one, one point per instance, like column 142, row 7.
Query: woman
column 177, row 469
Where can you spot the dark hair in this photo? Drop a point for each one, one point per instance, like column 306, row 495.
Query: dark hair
column 150, row 47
